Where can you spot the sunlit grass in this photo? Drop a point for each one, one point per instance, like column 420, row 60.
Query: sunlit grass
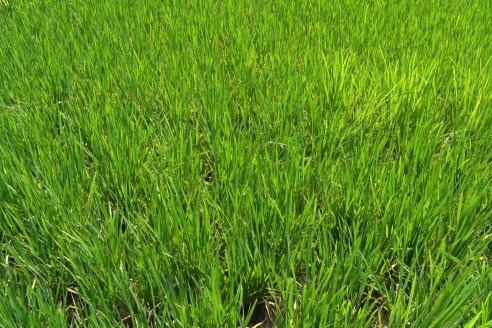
column 219, row 164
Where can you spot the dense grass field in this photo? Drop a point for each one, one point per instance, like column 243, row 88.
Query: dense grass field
column 237, row 163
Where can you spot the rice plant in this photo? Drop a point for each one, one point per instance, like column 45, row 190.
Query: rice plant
column 246, row 163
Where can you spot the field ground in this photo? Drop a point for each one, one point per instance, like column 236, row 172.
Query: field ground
column 232, row 163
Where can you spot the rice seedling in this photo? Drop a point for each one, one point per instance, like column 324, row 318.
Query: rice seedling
column 245, row 164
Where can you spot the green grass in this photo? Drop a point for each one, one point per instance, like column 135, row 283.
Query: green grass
column 196, row 163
